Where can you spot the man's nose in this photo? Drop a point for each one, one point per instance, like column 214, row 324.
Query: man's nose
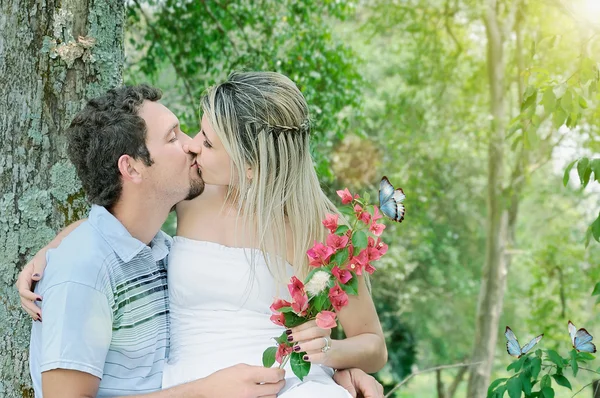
column 193, row 146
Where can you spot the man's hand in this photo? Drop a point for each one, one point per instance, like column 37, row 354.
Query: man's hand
column 243, row 381
column 358, row 383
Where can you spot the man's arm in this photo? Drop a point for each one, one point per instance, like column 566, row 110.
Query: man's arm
column 241, row 381
column 358, row 383
column 33, row 270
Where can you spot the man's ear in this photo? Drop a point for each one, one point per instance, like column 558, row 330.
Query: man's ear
column 129, row 169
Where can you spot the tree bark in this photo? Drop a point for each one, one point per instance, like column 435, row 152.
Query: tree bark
column 54, row 55
column 456, row 382
column 493, row 283
column 441, row 390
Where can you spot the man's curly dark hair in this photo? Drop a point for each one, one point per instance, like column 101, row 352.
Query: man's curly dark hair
column 107, row 128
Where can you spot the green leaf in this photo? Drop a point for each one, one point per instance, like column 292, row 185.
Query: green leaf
column 526, row 382
column 554, row 357
column 549, row 100
column 547, row 392
column 595, row 165
column 495, row 384
column 566, row 102
column 596, row 289
column 574, row 364
column 341, row 257
column 562, row 381
column 499, row 393
column 282, row 339
column 530, row 100
column 341, row 230
column 346, row 210
column 546, row 382
column 321, row 302
column 582, row 168
column 352, row 286
column 366, row 196
column 359, row 241
column 285, row 309
column 596, row 228
column 516, row 365
column 514, row 387
column 299, row 366
column 582, row 102
column 293, row 320
column 567, row 171
column 559, row 117
column 585, row 356
column 268, row 358
column 536, row 366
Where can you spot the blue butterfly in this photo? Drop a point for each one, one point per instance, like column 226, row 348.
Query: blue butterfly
column 513, row 347
column 581, row 339
column 390, row 200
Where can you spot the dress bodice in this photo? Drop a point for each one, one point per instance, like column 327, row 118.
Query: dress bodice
column 219, row 312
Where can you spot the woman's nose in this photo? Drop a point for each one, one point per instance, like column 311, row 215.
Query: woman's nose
column 193, row 146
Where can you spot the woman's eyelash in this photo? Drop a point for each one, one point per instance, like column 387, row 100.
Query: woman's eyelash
column 207, row 144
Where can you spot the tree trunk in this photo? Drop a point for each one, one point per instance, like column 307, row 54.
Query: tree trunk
column 53, row 56
column 456, row 382
column 441, row 390
column 493, row 283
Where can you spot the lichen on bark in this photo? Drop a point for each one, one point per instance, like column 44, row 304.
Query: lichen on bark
column 42, row 91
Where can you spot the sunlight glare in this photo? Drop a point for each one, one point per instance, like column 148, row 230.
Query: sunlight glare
column 590, row 9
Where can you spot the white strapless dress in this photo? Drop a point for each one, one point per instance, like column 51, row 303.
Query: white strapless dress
column 220, row 317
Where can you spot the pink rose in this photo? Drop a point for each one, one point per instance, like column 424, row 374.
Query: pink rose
column 279, row 303
column 358, row 263
column 282, row 351
column 299, row 297
column 326, row 320
column 346, row 196
column 331, row 222
column 338, row 298
column 319, row 254
column 337, row 242
column 278, row 319
column 362, row 215
column 376, row 249
column 376, row 214
column 342, row 275
column 376, row 229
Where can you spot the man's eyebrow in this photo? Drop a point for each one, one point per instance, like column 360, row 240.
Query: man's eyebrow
column 172, row 127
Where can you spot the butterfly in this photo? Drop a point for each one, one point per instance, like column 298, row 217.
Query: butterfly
column 390, row 200
column 513, row 347
column 581, row 339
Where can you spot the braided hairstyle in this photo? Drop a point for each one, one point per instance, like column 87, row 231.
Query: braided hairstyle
column 262, row 119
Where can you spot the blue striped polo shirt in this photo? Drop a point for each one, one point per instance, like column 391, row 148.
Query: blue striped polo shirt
column 105, row 308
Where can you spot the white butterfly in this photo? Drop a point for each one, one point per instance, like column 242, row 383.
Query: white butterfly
column 390, row 200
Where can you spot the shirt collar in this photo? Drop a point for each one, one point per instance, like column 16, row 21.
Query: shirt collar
column 119, row 238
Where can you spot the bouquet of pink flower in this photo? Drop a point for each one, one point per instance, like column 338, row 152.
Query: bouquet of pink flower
column 348, row 252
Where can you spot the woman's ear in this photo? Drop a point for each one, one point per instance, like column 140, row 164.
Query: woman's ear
column 249, row 173
column 129, row 169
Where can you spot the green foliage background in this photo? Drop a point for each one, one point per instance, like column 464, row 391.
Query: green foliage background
column 400, row 89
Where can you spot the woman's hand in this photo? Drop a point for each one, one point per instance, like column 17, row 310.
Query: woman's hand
column 313, row 340
column 32, row 272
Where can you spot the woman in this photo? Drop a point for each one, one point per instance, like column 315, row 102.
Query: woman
column 240, row 241
column 262, row 194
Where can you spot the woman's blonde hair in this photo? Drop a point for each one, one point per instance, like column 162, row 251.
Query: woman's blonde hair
column 263, row 122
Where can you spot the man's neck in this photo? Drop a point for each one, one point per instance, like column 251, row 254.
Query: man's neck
column 140, row 216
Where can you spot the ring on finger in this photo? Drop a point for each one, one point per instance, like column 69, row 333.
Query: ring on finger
column 327, row 345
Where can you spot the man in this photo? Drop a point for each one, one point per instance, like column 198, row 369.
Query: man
column 105, row 303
